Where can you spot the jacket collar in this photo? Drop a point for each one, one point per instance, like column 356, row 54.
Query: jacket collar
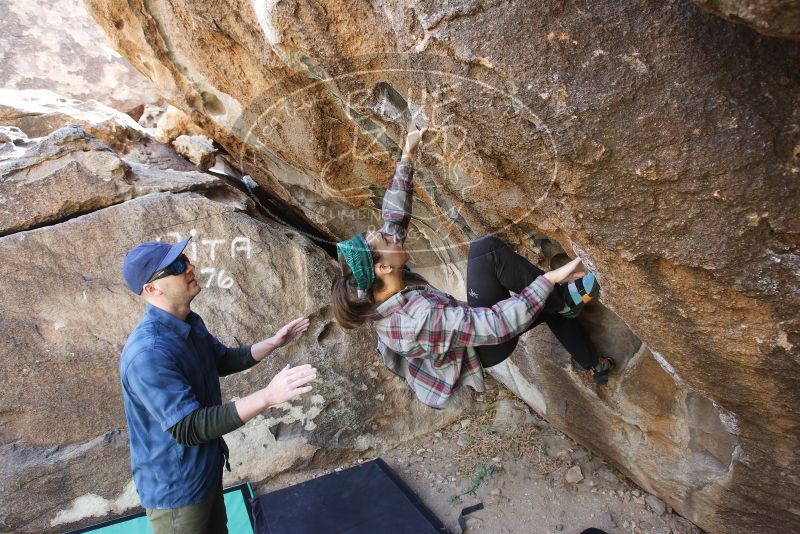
column 182, row 328
column 390, row 305
column 395, row 302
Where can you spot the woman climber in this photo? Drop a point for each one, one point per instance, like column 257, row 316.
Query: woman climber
column 426, row 336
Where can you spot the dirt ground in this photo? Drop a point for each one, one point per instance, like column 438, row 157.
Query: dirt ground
column 530, row 477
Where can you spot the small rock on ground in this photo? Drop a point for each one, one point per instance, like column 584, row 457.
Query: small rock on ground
column 606, row 474
column 574, row 474
column 656, row 505
column 508, row 417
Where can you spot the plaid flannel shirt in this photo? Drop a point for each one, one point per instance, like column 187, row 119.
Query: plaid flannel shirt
column 426, row 336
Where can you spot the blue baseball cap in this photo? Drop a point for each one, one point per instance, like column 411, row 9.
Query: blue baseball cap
column 144, row 260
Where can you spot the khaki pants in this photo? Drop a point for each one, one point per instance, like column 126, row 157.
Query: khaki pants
column 205, row 517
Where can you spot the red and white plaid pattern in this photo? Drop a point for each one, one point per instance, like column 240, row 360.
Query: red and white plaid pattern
column 396, row 209
column 427, row 337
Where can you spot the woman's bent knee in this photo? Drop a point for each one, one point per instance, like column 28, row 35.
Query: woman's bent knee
column 484, row 245
column 491, row 355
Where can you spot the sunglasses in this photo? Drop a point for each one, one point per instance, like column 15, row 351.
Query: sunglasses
column 178, row 266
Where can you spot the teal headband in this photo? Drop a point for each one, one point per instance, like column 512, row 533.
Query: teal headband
column 356, row 253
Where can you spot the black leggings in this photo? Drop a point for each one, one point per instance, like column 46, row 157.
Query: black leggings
column 493, row 270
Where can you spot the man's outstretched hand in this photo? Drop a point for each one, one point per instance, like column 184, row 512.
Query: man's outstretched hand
column 286, row 385
column 290, row 331
column 289, row 383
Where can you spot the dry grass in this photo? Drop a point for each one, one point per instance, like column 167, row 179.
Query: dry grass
column 487, row 444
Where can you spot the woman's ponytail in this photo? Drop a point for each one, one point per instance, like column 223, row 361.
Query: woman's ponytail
column 350, row 310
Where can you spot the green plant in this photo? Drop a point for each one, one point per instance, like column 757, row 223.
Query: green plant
column 482, row 473
column 488, row 430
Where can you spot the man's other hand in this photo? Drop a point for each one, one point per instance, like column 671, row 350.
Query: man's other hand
column 289, row 383
column 290, row 331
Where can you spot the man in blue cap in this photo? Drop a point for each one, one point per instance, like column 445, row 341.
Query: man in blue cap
column 170, row 369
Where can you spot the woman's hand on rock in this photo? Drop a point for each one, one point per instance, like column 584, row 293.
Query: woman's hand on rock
column 413, row 138
column 563, row 273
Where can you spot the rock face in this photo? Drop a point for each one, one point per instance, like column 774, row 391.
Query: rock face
column 79, row 174
column 39, row 112
column 67, row 314
column 658, row 143
column 55, row 45
column 780, row 18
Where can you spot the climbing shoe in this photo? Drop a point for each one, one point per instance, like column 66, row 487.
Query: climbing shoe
column 601, row 370
column 577, row 293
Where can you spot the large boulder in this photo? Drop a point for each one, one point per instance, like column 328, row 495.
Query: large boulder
column 655, row 141
column 67, row 314
column 69, row 173
column 70, row 313
column 40, row 112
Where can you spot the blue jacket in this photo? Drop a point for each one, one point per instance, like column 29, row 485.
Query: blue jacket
column 168, row 369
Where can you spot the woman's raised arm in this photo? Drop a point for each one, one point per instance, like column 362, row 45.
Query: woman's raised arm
column 396, row 209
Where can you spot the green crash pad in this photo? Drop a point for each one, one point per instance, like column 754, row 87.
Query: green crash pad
column 237, row 506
